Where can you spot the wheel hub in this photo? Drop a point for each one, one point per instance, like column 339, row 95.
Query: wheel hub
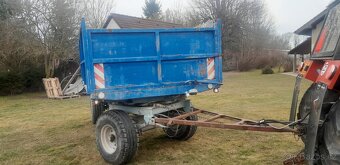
column 112, row 138
column 108, row 139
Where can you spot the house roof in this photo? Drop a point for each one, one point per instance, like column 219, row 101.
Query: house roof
column 129, row 22
column 303, row 48
column 307, row 28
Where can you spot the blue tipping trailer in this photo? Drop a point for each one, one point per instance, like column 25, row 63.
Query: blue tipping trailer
column 136, row 76
column 124, row 64
column 139, row 79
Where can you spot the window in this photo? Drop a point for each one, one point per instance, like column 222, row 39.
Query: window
column 329, row 35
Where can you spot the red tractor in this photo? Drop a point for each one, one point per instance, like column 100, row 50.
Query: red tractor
column 319, row 110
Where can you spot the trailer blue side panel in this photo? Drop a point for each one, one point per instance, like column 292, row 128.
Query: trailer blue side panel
column 140, row 63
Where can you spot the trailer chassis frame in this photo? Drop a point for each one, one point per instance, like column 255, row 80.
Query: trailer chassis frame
column 234, row 122
column 151, row 117
column 148, row 112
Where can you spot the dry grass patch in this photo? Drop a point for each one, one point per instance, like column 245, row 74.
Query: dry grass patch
column 35, row 130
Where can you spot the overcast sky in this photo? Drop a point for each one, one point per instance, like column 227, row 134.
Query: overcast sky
column 288, row 15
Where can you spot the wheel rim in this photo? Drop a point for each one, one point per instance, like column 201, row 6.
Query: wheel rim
column 108, row 139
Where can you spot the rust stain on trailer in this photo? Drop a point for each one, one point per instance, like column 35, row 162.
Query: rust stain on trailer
column 202, row 69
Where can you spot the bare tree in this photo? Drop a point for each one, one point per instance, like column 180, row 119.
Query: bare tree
column 52, row 24
column 15, row 45
column 16, row 48
column 176, row 15
column 245, row 23
column 180, row 15
column 96, row 11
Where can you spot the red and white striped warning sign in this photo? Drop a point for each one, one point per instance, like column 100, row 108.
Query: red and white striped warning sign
column 99, row 76
column 211, row 68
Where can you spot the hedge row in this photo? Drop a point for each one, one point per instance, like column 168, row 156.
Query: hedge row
column 16, row 83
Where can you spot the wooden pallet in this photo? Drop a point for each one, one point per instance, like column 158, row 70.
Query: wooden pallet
column 53, row 89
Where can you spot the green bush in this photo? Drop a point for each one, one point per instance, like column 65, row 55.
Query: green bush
column 11, row 83
column 33, row 79
column 15, row 83
column 267, row 70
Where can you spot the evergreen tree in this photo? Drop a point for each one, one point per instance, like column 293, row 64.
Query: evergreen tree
column 152, row 9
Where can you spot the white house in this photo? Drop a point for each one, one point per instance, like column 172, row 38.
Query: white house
column 119, row 21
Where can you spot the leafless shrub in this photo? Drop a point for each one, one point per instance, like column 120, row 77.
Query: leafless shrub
column 288, row 65
column 245, row 63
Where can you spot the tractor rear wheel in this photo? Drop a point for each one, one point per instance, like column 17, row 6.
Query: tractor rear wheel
column 306, row 106
column 329, row 149
column 180, row 132
column 116, row 137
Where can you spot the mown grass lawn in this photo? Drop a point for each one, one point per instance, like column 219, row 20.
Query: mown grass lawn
column 36, row 130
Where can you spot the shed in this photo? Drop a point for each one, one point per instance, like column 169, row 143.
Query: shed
column 119, row 21
column 302, row 49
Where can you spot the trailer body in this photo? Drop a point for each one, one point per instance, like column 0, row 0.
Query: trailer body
column 125, row 64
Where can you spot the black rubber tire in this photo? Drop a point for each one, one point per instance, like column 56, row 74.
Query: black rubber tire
column 181, row 132
column 306, row 103
column 127, row 136
column 97, row 110
column 330, row 146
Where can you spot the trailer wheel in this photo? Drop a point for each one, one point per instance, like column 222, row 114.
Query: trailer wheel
column 330, row 146
column 116, row 137
column 97, row 110
column 306, row 103
column 180, row 132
